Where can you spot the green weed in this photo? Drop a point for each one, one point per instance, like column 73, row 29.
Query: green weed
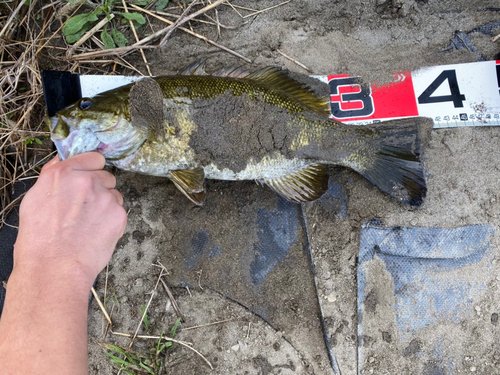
column 132, row 362
column 78, row 25
column 30, row 140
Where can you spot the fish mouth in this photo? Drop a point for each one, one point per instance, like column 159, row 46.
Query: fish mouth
column 68, row 140
column 58, row 139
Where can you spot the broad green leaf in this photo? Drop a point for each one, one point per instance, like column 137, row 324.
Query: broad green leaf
column 38, row 141
column 97, row 12
column 73, row 38
column 75, row 24
column 119, row 38
column 107, row 40
column 141, row 3
column 161, row 4
column 139, row 18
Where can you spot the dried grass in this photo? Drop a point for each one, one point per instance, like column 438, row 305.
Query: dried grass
column 21, row 99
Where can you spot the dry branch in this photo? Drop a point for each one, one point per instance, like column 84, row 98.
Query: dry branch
column 194, row 34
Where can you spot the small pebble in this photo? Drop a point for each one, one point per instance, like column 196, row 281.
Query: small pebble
column 472, row 369
column 235, row 348
column 331, row 298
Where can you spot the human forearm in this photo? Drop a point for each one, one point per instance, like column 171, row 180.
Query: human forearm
column 43, row 328
column 69, row 223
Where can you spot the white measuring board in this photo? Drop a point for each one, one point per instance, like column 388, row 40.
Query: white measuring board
column 452, row 95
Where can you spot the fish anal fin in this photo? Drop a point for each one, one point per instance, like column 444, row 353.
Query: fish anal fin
column 304, row 185
column 196, row 68
column 191, row 182
column 279, row 80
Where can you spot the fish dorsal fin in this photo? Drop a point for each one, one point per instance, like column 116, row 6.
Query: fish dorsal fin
column 232, row 71
column 304, row 185
column 146, row 107
column 191, row 182
column 279, row 80
column 196, row 68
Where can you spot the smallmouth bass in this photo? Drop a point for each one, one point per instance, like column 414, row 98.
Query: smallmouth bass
column 236, row 125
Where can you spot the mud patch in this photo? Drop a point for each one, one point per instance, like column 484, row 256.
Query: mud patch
column 233, row 130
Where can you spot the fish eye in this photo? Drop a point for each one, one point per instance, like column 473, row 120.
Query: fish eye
column 85, row 104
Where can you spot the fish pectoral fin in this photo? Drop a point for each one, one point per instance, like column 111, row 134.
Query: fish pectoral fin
column 191, row 182
column 304, row 185
column 146, row 107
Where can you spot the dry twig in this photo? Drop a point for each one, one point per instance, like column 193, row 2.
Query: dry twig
column 137, row 39
column 193, row 33
column 103, row 309
column 293, row 60
column 177, row 23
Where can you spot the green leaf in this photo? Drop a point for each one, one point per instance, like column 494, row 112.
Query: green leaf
column 145, row 318
column 75, row 24
column 146, row 368
column 38, row 141
column 161, row 4
column 119, row 38
column 141, row 3
column 97, row 12
column 73, row 38
column 117, row 360
column 107, row 40
column 174, row 328
column 139, row 18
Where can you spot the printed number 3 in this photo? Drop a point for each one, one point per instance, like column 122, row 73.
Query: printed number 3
column 337, row 98
column 455, row 96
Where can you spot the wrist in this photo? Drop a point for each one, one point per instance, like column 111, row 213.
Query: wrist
column 65, row 278
column 56, row 262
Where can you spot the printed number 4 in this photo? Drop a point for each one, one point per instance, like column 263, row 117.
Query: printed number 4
column 455, row 96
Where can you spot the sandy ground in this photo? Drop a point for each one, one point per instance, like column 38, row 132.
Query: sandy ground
column 276, row 326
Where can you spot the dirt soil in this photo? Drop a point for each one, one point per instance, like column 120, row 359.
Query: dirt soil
column 274, row 320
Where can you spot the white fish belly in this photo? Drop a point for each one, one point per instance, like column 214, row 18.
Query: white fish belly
column 267, row 168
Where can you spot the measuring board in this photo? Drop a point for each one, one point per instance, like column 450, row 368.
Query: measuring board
column 452, row 95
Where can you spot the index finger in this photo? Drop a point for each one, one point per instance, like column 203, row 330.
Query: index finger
column 88, row 161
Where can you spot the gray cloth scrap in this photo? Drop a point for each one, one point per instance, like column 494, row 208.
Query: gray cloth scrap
column 424, row 299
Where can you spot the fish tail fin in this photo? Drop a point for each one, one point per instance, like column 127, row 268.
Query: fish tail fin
column 396, row 165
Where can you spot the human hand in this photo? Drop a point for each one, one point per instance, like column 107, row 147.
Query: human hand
column 71, row 219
